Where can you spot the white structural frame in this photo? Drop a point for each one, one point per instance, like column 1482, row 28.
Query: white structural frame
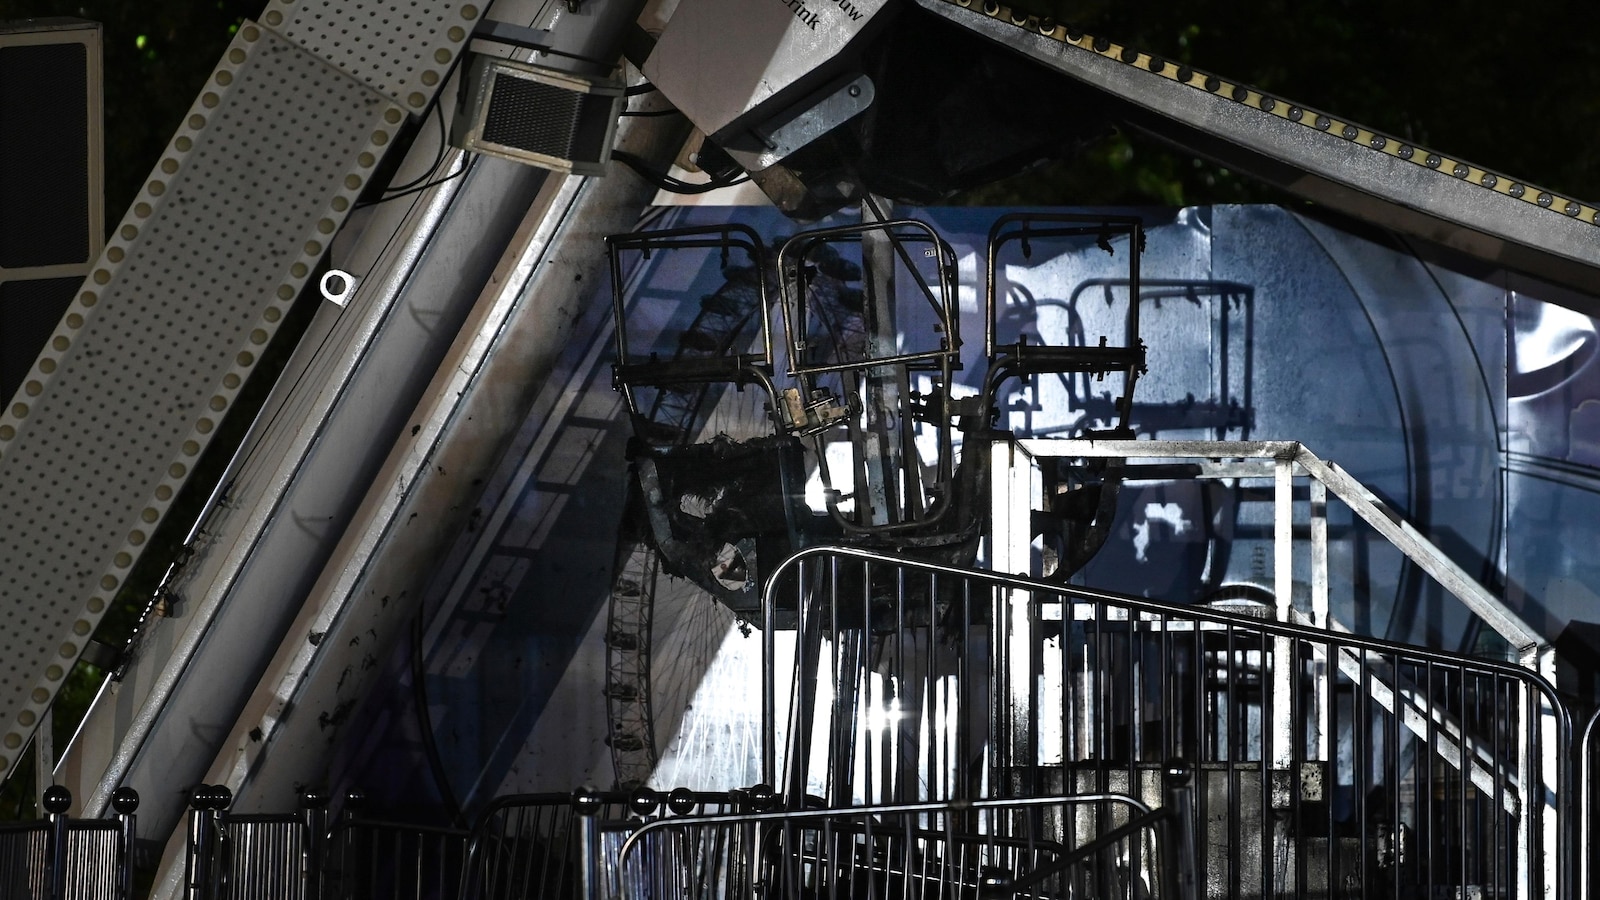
column 1016, row 493
column 1282, row 462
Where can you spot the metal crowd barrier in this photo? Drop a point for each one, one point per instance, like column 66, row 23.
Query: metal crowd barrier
column 1326, row 764
column 525, row 845
column 643, row 844
column 557, row 845
column 246, row 857
column 1588, row 758
column 368, row 859
column 308, row 856
column 61, row 858
column 1104, row 846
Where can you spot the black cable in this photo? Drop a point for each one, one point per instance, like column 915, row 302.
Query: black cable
column 643, row 87
column 651, row 112
column 667, row 182
column 438, row 158
column 645, row 170
column 581, row 58
column 430, row 747
column 416, row 190
column 437, row 108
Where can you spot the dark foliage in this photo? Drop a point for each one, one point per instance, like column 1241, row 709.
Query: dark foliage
column 157, row 55
column 1513, row 87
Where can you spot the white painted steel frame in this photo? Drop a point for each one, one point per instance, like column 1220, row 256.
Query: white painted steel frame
column 1279, row 460
column 1523, row 638
column 416, row 505
column 326, row 432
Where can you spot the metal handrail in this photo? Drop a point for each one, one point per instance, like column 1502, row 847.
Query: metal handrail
column 1021, row 359
column 1534, row 796
column 551, row 845
column 934, row 835
column 1587, row 747
column 1154, row 607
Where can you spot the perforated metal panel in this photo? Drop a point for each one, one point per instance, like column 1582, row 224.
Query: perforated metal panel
column 402, row 48
column 154, row 348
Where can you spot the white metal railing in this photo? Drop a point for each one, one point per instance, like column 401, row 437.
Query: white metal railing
column 1588, row 753
column 1282, row 462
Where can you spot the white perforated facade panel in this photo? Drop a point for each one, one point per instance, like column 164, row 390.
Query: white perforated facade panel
column 157, row 343
column 401, row 48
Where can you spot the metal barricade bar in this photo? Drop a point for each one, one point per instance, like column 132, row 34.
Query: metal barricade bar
column 392, row 861
column 304, row 856
column 252, row 857
column 557, row 845
column 1325, row 762
column 1588, row 747
column 61, row 858
column 1094, row 845
column 24, row 854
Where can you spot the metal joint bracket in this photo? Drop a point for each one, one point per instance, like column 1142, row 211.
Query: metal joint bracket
column 785, row 135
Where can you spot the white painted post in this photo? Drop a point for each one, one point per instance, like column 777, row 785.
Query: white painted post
column 1282, row 731
column 1319, row 617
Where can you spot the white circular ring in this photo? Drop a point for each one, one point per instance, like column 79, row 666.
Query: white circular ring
column 337, row 299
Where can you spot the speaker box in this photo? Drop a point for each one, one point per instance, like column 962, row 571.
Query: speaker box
column 543, row 117
column 52, row 197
